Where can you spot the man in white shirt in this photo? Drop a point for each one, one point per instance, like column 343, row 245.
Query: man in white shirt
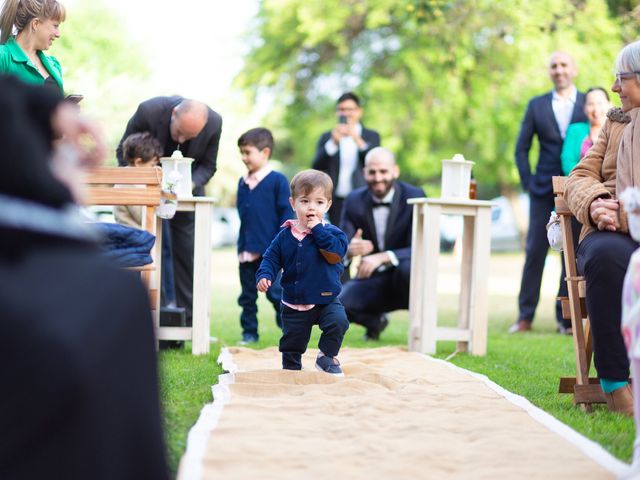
column 547, row 117
column 340, row 152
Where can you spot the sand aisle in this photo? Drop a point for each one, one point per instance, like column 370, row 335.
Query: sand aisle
column 395, row 415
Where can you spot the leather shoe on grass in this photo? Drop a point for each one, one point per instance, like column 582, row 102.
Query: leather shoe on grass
column 621, row 400
column 520, row 326
column 374, row 333
column 562, row 330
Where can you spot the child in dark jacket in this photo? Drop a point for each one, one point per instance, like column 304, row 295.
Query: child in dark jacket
column 309, row 252
column 263, row 206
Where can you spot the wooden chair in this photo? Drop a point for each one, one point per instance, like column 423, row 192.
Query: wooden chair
column 135, row 187
column 586, row 390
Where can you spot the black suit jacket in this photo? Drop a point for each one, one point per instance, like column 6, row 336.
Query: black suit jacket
column 154, row 116
column 330, row 164
column 539, row 120
column 357, row 212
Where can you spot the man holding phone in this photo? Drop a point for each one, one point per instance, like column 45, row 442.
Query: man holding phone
column 340, row 152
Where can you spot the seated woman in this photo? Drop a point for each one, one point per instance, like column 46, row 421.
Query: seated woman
column 581, row 136
column 605, row 244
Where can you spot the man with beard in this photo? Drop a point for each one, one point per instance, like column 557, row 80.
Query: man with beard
column 548, row 117
column 378, row 221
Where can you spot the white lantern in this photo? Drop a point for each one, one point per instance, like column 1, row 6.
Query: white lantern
column 177, row 167
column 456, row 175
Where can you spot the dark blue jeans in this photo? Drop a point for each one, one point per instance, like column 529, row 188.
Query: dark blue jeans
column 296, row 331
column 603, row 258
column 249, row 296
column 365, row 299
column 536, row 249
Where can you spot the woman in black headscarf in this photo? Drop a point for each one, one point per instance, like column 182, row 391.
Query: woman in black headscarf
column 77, row 361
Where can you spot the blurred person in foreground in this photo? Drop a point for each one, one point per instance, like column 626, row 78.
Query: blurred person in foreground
column 37, row 23
column 80, row 390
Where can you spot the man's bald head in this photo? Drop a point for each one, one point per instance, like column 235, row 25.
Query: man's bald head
column 380, row 154
column 380, row 171
column 188, row 118
column 562, row 70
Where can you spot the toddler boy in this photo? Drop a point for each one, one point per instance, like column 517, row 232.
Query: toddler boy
column 309, row 252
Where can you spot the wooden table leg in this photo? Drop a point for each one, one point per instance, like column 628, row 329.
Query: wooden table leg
column 201, row 278
column 466, row 278
column 479, row 311
column 429, row 320
column 416, row 286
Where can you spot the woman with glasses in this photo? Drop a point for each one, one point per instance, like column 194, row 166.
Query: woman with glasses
column 605, row 245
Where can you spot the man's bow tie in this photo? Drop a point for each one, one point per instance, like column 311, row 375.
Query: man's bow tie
column 381, row 204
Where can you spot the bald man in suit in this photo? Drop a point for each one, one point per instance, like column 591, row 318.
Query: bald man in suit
column 193, row 128
column 378, row 222
column 547, row 117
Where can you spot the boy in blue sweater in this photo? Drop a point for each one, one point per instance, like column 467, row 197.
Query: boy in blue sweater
column 309, row 252
column 263, row 206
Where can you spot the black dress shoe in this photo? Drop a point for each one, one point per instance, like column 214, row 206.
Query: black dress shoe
column 562, row 330
column 374, row 333
column 520, row 326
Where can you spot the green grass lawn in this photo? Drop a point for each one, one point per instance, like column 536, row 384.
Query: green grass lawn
column 527, row 364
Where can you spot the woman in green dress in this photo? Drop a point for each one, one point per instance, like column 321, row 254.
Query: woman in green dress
column 581, row 136
column 36, row 24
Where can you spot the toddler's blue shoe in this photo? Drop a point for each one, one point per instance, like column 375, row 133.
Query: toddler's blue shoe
column 329, row 365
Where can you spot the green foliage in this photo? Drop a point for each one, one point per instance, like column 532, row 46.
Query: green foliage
column 101, row 61
column 440, row 76
column 101, row 47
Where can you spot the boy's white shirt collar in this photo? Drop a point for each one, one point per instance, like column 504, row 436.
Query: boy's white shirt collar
column 259, row 174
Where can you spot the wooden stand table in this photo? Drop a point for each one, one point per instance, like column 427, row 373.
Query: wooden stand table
column 199, row 333
column 471, row 333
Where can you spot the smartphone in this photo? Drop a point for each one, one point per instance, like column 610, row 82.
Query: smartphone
column 342, row 119
column 74, row 98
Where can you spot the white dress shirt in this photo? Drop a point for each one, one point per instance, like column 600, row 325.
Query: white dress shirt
column 563, row 109
column 381, row 219
column 349, row 153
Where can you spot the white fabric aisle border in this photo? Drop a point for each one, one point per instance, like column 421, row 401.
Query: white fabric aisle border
column 590, row 448
column 191, row 466
column 191, row 463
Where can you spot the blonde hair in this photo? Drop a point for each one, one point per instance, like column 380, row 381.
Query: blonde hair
column 20, row 13
column 629, row 59
column 305, row 182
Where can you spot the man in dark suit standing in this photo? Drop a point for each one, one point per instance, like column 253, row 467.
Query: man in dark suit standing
column 193, row 128
column 378, row 222
column 340, row 152
column 548, row 117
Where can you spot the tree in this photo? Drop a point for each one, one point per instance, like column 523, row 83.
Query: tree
column 439, row 77
column 101, row 62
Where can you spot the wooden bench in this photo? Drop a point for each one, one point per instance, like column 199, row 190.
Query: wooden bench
column 586, row 390
column 133, row 187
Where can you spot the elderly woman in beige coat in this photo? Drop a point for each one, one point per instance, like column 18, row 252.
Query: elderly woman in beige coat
column 605, row 245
